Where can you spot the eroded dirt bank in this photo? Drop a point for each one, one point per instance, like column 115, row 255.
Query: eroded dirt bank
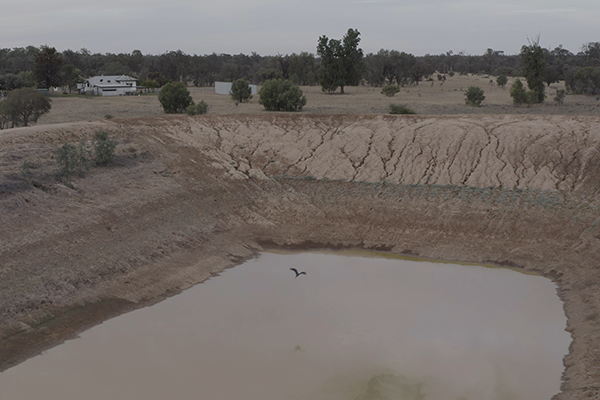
column 189, row 197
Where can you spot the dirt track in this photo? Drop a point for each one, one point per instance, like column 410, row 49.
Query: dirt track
column 191, row 196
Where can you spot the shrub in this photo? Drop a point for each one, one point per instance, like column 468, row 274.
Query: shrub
column 560, row 96
column 67, row 158
column 197, row 109
column 281, row 95
column 502, row 80
column 175, row 98
column 401, row 109
column 519, row 94
column 104, row 148
column 474, row 96
column 451, row 74
column 390, row 90
column 241, row 91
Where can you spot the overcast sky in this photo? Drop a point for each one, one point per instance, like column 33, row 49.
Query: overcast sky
column 271, row 27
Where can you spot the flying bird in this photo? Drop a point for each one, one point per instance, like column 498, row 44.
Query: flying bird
column 297, row 273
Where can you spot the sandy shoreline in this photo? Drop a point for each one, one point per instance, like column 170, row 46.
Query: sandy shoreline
column 192, row 196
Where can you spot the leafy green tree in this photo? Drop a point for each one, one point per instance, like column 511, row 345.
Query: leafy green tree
column 24, row 106
column 502, row 80
column 241, row 91
column 552, row 75
column 341, row 61
column 474, row 96
column 534, row 69
column 71, row 76
column 175, row 98
column 47, row 67
column 281, row 95
column 29, row 78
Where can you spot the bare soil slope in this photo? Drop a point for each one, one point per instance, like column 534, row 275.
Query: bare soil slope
column 189, row 197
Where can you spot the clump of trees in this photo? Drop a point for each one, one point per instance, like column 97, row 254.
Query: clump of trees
column 584, row 80
column 341, row 61
column 23, row 107
column 281, row 95
column 474, row 96
column 45, row 66
column 197, row 109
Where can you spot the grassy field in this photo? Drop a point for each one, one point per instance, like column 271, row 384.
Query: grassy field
column 436, row 98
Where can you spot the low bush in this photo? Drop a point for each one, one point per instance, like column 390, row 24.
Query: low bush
column 502, row 80
column 560, row 96
column 197, row 109
column 281, row 95
column 73, row 159
column 401, row 109
column 104, row 148
column 520, row 95
column 390, row 90
column 474, row 96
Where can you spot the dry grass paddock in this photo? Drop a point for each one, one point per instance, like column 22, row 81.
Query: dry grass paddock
column 434, row 98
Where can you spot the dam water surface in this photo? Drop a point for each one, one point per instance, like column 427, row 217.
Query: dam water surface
column 352, row 328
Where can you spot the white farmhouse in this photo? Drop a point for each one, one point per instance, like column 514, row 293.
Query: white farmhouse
column 109, row 85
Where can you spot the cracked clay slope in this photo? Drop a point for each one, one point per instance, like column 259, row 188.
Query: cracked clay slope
column 550, row 153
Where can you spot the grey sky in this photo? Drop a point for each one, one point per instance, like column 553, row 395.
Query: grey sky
column 271, row 27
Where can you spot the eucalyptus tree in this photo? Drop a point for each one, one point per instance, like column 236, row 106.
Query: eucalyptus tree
column 341, row 61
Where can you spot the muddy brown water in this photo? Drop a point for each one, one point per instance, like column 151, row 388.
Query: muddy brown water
column 352, row 328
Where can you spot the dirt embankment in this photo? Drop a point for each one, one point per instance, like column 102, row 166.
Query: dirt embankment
column 192, row 196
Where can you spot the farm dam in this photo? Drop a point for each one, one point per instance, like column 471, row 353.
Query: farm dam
column 190, row 196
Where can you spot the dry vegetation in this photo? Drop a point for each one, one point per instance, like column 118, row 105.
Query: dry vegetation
column 435, row 98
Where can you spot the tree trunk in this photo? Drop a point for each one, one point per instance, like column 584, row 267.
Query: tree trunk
column 341, row 90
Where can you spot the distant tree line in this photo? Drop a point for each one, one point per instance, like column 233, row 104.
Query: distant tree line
column 45, row 67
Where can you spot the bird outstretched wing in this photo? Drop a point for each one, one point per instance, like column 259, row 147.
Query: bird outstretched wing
column 298, row 273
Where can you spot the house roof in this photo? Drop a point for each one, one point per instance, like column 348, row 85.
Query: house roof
column 110, row 80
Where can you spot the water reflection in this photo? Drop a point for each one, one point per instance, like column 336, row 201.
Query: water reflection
column 352, row 328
